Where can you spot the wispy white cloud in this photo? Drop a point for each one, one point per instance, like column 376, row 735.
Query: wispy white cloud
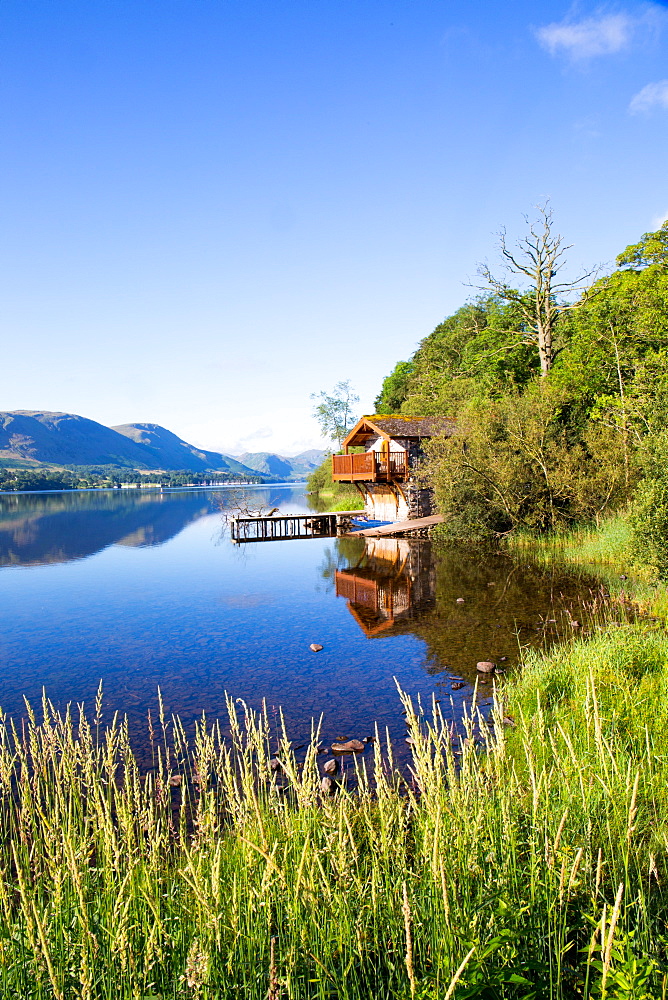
column 654, row 95
column 604, row 33
column 659, row 220
column 594, row 36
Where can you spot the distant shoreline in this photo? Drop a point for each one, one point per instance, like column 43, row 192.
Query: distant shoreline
column 152, row 487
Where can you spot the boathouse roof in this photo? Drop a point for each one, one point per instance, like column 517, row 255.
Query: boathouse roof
column 397, row 425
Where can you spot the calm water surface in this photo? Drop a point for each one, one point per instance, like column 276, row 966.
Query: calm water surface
column 144, row 590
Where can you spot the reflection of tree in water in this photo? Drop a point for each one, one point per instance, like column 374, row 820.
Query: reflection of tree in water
column 344, row 553
column 465, row 605
column 245, row 502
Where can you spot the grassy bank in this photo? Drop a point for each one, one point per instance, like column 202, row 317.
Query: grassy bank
column 328, row 495
column 526, row 861
column 605, row 551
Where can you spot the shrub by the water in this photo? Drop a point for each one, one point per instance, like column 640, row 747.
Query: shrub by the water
column 649, row 522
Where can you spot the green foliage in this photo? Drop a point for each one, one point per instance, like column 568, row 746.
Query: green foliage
column 651, row 251
column 395, row 388
column 349, row 503
column 616, row 339
column 320, row 480
column 474, row 353
column 328, row 495
column 36, row 479
column 77, row 477
column 520, row 462
column 649, row 522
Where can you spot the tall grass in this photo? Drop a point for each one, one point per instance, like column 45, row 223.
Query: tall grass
column 603, row 550
column 606, row 545
column 527, row 859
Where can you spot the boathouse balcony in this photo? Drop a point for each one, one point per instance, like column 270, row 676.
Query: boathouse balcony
column 370, row 467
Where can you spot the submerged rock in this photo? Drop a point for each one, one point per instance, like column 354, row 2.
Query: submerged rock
column 331, row 766
column 485, row 666
column 458, row 686
column 348, row 747
column 315, row 647
column 327, row 786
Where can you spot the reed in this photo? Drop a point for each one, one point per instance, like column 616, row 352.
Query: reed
column 524, row 859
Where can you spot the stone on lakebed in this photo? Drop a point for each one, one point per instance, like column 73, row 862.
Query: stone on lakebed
column 349, row 747
column 327, row 786
column 485, row 666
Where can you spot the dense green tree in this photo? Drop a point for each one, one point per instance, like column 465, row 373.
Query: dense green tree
column 522, row 461
column 618, row 345
column 395, row 388
column 469, row 354
column 650, row 251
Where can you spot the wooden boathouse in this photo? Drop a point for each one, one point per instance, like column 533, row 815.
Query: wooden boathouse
column 386, row 471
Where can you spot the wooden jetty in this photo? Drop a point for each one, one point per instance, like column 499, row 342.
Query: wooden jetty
column 281, row 527
column 398, row 527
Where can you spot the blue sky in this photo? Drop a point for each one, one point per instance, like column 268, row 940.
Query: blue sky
column 211, row 208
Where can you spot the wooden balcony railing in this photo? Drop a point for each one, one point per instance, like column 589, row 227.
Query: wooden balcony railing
column 370, row 467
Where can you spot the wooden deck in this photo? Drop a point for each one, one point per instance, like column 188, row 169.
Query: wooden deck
column 398, row 527
column 282, row 527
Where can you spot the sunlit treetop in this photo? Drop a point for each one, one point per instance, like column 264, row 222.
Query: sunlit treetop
column 651, row 250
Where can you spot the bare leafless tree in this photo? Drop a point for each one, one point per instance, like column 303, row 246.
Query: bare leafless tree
column 538, row 258
column 238, row 503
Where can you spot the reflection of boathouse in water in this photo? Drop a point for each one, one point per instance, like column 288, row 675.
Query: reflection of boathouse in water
column 393, row 580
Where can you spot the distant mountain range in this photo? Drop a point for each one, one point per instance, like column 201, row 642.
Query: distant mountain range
column 268, row 464
column 35, row 437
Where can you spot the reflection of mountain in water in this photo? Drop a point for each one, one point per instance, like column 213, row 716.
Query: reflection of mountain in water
column 59, row 527
column 393, row 580
column 466, row 605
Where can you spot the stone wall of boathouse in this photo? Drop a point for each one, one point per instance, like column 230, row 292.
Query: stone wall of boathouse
column 384, row 502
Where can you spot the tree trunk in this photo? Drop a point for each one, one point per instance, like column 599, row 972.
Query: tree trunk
column 545, row 350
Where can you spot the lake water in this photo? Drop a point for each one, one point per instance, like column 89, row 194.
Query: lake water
column 141, row 589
